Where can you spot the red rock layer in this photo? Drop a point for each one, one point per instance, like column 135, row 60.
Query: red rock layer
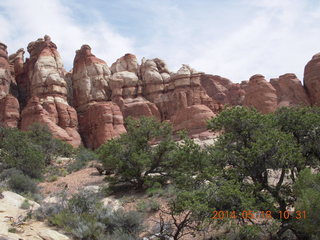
column 100, row 122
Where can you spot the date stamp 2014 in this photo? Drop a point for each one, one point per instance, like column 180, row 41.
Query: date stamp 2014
column 250, row 214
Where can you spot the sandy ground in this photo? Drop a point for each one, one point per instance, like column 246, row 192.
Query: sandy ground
column 72, row 182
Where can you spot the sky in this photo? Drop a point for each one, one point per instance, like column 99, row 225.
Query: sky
column 231, row 38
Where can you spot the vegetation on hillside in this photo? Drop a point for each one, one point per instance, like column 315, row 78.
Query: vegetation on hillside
column 254, row 175
column 260, row 179
column 25, row 155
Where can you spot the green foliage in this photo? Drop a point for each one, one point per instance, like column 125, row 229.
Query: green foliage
column 255, row 150
column 21, row 183
column 132, row 157
column 304, row 124
column 50, row 146
column 83, row 156
column 250, row 232
column 84, row 217
column 307, row 189
column 30, row 151
column 21, row 153
column 189, row 159
column 13, row 230
column 149, row 205
column 25, row 204
column 263, row 155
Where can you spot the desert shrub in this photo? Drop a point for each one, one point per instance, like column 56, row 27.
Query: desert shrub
column 13, row 230
column 52, row 178
column 84, row 217
column 149, row 205
column 52, row 171
column 83, row 156
column 7, row 173
column 21, row 183
column 21, row 153
column 127, row 222
column 250, row 232
column 25, row 204
column 119, row 235
column 40, row 135
column 47, row 210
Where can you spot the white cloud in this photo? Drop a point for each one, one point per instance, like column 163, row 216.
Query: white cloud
column 270, row 37
column 25, row 21
column 234, row 39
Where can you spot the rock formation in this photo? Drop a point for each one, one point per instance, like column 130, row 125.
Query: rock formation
column 99, row 118
column 260, row 94
column 93, row 99
column 222, row 90
column 9, row 105
column 46, row 92
column 290, row 91
column 127, row 89
column 311, row 79
column 172, row 92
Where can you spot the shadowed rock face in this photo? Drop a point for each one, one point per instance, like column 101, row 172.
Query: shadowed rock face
column 261, row 95
column 311, row 79
column 9, row 105
column 290, row 91
column 47, row 92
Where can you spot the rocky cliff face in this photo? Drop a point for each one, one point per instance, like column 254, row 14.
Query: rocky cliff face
column 93, row 99
column 9, row 105
column 311, row 79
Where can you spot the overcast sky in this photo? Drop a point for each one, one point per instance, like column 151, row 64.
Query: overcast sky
column 231, row 38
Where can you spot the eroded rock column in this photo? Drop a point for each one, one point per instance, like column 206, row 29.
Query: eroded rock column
column 46, row 94
column 99, row 118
